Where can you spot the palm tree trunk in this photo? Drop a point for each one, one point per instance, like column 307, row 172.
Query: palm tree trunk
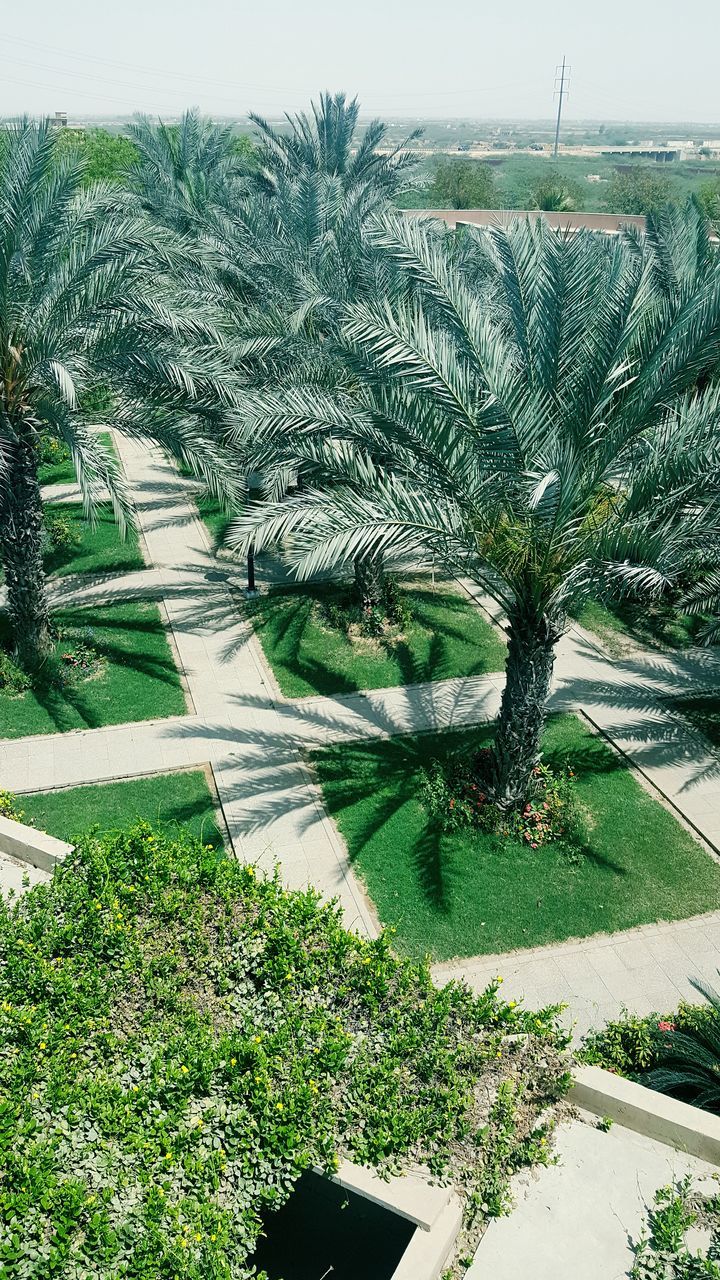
column 369, row 580
column 21, row 547
column 523, row 711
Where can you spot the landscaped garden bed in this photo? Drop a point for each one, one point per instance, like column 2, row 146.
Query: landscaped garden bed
column 169, row 801
column 110, row 665
column 78, row 545
column 56, row 466
column 466, row 892
column 315, row 645
column 182, row 1040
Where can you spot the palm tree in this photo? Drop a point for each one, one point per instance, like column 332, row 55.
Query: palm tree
column 556, row 194
column 87, row 295
column 183, row 168
column 295, row 255
column 528, row 419
column 324, row 142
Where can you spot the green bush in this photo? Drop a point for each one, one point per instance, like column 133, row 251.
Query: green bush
column 9, row 807
column 346, row 610
column 632, row 1046
column 52, row 451
column 60, row 532
column 181, row 1038
column 13, row 679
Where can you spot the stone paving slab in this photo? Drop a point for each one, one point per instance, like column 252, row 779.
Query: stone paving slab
column 646, row 970
column 16, row 877
column 579, row 1217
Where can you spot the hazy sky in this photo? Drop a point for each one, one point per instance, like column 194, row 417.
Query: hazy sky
column 631, row 59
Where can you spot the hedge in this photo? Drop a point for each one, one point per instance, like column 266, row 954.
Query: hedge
column 181, row 1038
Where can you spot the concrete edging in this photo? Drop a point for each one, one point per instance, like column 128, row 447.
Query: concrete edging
column 435, row 1211
column 28, row 845
column 676, row 1124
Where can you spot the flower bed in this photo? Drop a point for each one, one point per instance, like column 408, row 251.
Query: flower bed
column 454, row 790
column 676, row 1053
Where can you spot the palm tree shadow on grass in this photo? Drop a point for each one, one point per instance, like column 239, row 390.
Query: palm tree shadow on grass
column 285, row 618
column 61, row 700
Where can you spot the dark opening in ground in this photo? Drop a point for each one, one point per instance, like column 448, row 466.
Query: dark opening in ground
column 327, row 1233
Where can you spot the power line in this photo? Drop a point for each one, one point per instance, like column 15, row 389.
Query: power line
column 211, row 82
column 562, row 93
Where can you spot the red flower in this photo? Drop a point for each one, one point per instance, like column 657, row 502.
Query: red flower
column 666, row 1026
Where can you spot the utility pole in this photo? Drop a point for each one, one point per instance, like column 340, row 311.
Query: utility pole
column 564, row 74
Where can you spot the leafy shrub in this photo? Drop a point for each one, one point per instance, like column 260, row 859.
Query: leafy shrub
column 677, row 1053
column 455, row 793
column 181, row 1038
column 97, row 400
column 344, row 610
column 688, row 1065
column 52, row 451
column 397, row 607
column 82, row 658
column 9, row 807
column 13, row 679
column 60, row 532
column 662, row 1253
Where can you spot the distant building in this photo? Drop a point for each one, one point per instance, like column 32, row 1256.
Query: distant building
column 610, row 223
column 59, row 120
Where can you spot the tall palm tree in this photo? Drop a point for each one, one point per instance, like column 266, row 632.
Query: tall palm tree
column 528, row 419
column 183, row 168
column 294, row 254
column 324, row 142
column 90, row 290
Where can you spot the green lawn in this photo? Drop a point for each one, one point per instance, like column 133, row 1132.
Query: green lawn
column 448, row 637
column 468, row 893
column 99, row 548
column 137, row 678
column 648, row 623
column 62, row 470
column 214, row 517
column 167, row 801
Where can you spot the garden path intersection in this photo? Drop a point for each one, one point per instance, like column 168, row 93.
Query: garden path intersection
column 254, row 739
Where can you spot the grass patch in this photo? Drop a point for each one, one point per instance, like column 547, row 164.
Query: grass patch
column 703, row 712
column 447, row 637
column 467, row 893
column 214, row 517
column 171, row 802
column 211, row 511
column 136, row 677
column 650, row 623
column 94, row 548
column 61, row 470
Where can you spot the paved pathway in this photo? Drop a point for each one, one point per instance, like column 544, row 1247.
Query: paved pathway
column 253, row 738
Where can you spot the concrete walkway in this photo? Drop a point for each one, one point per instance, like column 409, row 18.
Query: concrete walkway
column 582, row 1216
column 239, row 722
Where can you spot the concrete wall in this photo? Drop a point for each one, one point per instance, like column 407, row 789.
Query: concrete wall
column 608, row 222
column 28, row 845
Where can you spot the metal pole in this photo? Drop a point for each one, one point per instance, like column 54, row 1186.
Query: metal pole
column 560, row 102
column 251, row 590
